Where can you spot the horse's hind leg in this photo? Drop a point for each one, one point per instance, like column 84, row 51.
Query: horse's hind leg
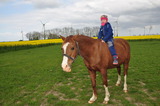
column 125, row 77
column 119, row 76
column 93, row 80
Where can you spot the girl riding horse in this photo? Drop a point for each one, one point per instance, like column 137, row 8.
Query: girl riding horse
column 105, row 33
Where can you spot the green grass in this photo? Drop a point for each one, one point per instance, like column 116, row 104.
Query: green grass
column 34, row 77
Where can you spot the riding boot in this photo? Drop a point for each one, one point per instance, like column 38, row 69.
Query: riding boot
column 115, row 60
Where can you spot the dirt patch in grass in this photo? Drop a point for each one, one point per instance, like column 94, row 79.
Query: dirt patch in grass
column 129, row 99
column 60, row 95
column 142, row 83
column 117, row 102
column 73, row 88
column 18, row 102
column 146, row 91
column 57, row 94
column 148, row 94
column 140, row 104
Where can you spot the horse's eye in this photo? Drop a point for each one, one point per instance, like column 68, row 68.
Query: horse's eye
column 72, row 48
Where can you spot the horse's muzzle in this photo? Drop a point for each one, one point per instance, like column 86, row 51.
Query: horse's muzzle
column 67, row 69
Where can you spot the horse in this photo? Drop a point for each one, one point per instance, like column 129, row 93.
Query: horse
column 96, row 57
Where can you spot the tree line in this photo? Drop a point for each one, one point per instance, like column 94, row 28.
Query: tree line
column 66, row 31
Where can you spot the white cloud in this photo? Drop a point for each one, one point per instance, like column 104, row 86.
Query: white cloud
column 44, row 3
column 3, row 1
column 131, row 13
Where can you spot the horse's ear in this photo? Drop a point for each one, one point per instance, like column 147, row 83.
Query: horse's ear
column 63, row 38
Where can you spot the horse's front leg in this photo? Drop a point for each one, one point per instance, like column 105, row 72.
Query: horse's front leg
column 105, row 84
column 93, row 80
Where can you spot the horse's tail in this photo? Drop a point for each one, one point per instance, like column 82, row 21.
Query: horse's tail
column 126, row 46
column 127, row 50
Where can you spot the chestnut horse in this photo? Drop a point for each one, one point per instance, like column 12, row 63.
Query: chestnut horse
column 97, row 57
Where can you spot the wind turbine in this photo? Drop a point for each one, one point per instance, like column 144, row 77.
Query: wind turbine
column 43, row 27
column 117, row 25
column 144, row 30
column 22, row 34
column 150, row 28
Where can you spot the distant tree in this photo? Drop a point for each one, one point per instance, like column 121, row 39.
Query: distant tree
column 53, row 36
column 29, row 36
column 36, row 35
column 66, row 31
column 33, row 35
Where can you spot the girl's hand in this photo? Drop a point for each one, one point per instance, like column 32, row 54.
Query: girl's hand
column 103, row 41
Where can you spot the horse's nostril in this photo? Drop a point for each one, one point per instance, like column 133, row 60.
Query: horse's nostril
column 66, row 66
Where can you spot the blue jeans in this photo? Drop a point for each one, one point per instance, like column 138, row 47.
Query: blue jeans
column 111, row 47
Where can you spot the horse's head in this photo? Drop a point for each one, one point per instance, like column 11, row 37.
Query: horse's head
column 70, row 52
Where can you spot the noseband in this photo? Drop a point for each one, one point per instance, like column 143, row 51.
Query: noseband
column 69, row 57
column 72, row 57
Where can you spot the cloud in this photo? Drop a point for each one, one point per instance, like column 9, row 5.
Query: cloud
column 41, row 4
column 141, row 17
column 131, row 14
column 2, row 1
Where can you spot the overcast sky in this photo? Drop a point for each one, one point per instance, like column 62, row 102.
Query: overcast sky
column 133, row 15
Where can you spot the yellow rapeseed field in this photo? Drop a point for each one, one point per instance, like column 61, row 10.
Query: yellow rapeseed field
column 34, row 42
column 138, row 37
column 52, row 41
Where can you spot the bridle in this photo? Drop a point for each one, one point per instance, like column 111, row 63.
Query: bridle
column 69, row 57
column 73, row 59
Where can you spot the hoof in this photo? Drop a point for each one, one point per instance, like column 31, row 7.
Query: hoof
column 117, row 84
column 105, row 102
column 125, row 91
column 90, row 102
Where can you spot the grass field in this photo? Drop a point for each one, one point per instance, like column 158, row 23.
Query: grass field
column 34, row 77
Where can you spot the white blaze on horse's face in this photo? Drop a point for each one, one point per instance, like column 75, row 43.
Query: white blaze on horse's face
column 65, row 65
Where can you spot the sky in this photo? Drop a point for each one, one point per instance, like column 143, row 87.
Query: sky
column 25, row 15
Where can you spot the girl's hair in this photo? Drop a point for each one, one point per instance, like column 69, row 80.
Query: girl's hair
column 104, row 16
